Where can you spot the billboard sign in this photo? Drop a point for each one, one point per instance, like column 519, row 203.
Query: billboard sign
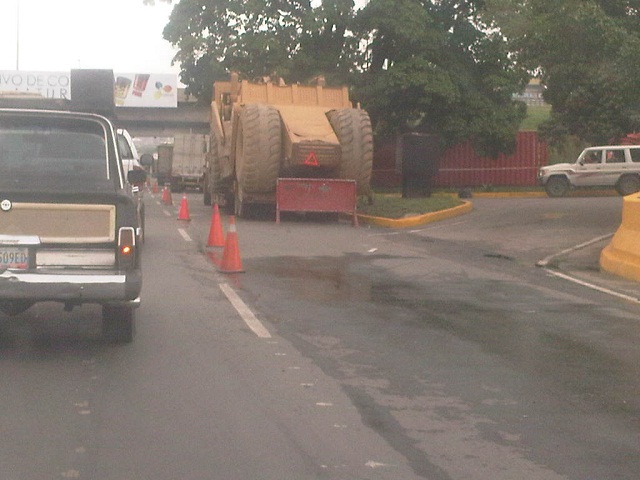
column 130, row 89
column 46, row 84
column 146, row 90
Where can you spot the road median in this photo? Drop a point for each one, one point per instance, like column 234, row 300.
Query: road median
column 622, row 256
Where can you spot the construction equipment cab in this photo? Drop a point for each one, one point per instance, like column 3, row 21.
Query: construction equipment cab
column 70, row 224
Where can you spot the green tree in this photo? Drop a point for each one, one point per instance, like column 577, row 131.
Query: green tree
column 437, row 67
column 288, row 38
column 586, row 54
column 431, row 66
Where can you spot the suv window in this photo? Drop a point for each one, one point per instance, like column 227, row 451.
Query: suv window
column 615, row 156
column 635, row 154
column 59, row 155
column 592, row 156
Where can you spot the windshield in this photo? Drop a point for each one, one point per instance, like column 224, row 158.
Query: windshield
column 53, row 154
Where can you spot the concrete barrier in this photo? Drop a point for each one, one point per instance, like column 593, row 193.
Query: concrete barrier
column 622, row 256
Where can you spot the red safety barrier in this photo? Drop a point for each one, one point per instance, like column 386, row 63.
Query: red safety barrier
column 316, row 195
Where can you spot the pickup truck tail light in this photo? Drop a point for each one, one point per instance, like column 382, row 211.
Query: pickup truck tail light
column 126, row 247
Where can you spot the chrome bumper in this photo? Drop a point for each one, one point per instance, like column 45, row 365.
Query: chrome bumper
column 71, row 286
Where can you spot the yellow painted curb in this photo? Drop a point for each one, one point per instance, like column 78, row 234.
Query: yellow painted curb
column 622, row 256
column 417, row 219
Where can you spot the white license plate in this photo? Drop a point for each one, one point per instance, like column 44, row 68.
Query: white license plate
column 14, row 257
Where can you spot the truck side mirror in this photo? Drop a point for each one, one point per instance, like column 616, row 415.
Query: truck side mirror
column 146, row 159
column 136, row 176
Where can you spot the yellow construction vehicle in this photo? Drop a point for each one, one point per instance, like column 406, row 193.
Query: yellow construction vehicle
column 264, row 131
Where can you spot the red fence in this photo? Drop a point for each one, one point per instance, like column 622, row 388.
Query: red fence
column 316, row 195
column 461, row 167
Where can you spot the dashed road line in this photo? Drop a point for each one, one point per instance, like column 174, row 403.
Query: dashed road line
column 544, row 263
column 245, row 312
column 569, row 278
column 184, row 235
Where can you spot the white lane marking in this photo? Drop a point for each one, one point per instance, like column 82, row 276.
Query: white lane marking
column 373, row 464
column 592, row 286
column 245, row 312
column 167, row 213
column 545, row 261
column 184, row 235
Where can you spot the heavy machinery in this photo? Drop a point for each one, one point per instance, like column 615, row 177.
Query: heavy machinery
column 262, row 131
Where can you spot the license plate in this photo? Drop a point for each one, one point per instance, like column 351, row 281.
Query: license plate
column 14, row 257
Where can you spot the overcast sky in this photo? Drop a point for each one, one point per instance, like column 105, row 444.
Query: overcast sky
column 58, row 35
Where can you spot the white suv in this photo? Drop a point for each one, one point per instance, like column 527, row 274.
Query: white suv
column 607, row 166
column 128, row 152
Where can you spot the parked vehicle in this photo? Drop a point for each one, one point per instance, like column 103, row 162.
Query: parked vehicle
column 131, row 160
column 262, row 131
column 616, row 166
column 70, row 221
column 181, row 164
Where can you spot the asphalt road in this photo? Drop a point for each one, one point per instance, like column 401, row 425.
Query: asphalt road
column 440, row 352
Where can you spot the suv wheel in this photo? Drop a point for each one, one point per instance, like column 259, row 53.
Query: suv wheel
column 557, row 186
column 118, row 323
column 628, row 184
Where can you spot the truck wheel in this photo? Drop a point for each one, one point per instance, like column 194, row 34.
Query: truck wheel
column 353, row 129
column 557, row 186
column 628, row 184
column 118, row 323
column 206, row 193
column 258, row 149
column 238, row 209
column 206, row 182
column 142, row 224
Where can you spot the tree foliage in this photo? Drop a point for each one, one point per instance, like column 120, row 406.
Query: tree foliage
column 426, row 65
column 436, row 67
column 286, row 38
column 586, row 54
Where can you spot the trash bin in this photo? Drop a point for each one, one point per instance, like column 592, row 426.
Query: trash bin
column 420, row 159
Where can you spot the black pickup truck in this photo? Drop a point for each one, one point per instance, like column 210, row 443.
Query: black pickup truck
column 70, row 221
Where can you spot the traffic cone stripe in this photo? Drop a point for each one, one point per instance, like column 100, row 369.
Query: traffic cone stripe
column 184, row 209
column 166, row 196
column 216, row 236
column 231, row 262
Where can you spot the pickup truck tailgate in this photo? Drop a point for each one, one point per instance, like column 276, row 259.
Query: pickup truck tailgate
column 60, row 222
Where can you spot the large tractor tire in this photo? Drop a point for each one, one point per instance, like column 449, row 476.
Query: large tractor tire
column 213, row 174
column 258, row 151
column 208, row 182
column 353, row 129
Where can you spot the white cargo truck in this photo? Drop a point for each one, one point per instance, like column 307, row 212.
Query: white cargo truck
column 182, row 164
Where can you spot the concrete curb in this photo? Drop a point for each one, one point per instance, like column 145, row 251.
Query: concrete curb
column 467, row 206
column 416, row 220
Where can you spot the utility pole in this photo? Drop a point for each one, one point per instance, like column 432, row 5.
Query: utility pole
column 18, row 35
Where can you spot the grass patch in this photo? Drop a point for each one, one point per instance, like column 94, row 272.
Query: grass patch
column 535, row 116
column 394, row 206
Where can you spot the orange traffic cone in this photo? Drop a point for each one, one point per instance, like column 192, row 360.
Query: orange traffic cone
column 184, row 209
column 216, row 237
column 166, row 196
column 231, row 262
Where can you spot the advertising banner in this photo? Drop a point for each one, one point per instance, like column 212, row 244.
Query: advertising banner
column 146, row 90
column 130, row 90
column 45, row 84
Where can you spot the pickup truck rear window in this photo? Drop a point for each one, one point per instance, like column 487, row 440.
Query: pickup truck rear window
column 53, row 155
